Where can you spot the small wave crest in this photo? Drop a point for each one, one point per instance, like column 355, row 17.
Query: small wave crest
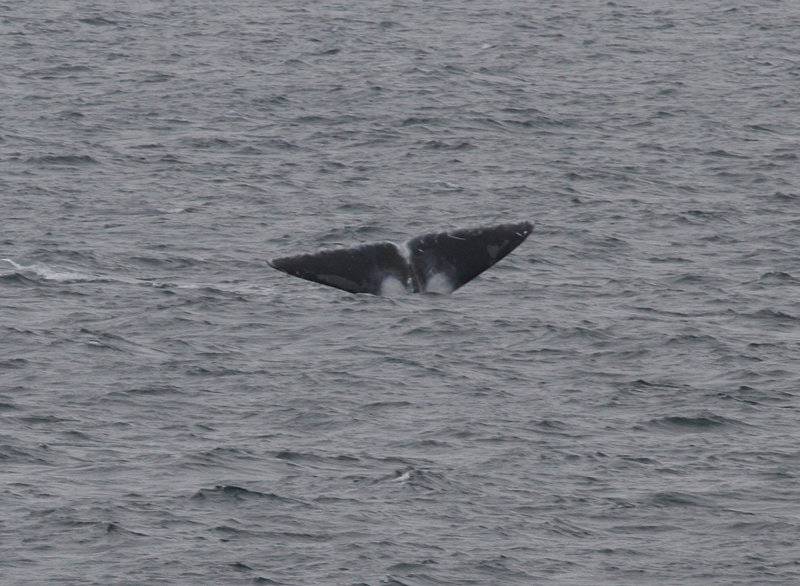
column 63, row 160
column 705, row 421
column 14, row 273
column 42, row 271
column 231, row 493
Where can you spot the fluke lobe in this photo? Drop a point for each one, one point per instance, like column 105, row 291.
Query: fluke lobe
column 439, row 263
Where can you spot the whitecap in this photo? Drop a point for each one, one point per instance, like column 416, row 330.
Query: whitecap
column 45, row 272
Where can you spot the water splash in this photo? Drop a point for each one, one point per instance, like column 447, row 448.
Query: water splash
column 45, row 272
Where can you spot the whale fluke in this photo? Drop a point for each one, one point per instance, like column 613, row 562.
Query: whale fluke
column 439, row 262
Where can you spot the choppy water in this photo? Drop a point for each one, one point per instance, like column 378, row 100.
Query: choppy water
column 616, row 402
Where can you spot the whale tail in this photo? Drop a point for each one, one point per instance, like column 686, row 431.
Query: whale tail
column 439, row 262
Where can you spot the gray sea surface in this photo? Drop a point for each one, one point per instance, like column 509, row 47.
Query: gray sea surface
column 616, row 402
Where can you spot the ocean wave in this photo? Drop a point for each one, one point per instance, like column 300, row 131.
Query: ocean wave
column 41, row 271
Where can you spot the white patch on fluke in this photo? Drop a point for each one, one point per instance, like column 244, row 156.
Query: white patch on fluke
column 404, row 251
column 393, row 287
column 439, row 283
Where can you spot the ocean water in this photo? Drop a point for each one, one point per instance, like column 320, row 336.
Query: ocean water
column 616, row 402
